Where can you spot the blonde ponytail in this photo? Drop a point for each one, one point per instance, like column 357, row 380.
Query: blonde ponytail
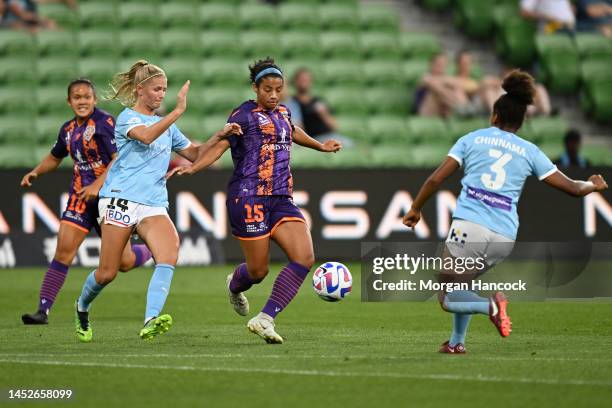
column 123, row 85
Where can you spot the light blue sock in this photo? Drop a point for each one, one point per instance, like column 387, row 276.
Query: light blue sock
column 464, row 301
column 91, row 289
column 159, row 287
column 461, row 322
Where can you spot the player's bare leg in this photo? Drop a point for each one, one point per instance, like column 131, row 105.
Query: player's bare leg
column 253, row 271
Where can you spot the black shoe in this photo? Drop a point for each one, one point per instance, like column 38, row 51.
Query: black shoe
column 35, row 318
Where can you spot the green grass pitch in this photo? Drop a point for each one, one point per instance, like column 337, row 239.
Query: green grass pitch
column 348, row 354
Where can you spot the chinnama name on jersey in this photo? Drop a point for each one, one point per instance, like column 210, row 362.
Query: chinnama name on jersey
column 496, row 141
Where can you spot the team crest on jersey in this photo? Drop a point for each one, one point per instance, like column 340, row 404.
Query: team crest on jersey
column 89, row 132
column 263, row 119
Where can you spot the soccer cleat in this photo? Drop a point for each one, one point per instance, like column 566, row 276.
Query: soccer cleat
column 448, row 349
column 238, row 300
column 83, row 328
column 35, row 318
column 263, row 326
column 501, row 320
column 155, row 326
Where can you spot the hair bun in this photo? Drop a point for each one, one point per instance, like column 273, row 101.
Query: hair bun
column 520, row 86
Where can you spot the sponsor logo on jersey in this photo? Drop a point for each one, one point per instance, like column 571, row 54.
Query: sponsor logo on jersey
column 89, row 132
column 489, row 198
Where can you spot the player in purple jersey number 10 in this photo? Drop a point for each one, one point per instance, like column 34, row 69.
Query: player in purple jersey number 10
column 259, row 199
column 88, row 138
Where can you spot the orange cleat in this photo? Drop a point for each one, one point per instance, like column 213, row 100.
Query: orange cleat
column 501, row 320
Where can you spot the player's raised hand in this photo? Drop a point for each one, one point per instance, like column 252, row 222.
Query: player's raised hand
column 231, row 129
column 180, row 171
column 599, row 182
column 331, row 146
column 88, row 193
column 181, row 98
column 26, row 181
column 412, row 218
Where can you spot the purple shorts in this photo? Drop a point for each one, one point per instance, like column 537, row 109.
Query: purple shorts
column 81, row 215
column 257, row 217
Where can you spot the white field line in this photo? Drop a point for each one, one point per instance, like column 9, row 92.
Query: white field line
column 436, row 377
column 314, row 356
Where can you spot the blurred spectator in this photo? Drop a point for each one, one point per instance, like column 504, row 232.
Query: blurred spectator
column 491, row 90
column 23, row 14
column 70, row 3
column 310, row 113
column 595, row 15
column 571, row 157
column 442, row 95
column 551, row 15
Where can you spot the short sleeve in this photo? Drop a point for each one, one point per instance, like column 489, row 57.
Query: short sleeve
column 541, row 165
column 238, row 116
column 106, row 134
column 529, row 5
column 59, row 149
column 127, row 121
column 179, row 140
column 457, row 152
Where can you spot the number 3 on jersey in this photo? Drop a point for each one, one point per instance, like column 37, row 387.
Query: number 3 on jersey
column 498, row 169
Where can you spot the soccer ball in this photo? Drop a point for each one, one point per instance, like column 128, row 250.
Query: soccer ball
column 332, row 281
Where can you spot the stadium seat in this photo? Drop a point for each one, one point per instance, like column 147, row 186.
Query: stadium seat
column 219, row 16
column 14, row 130
column 138, row 15
column 257, row 44
column 383, row 73
column 350, row 101
column 212, row 123
column 65, row 17
column 15, row 71
column 220, row 100
column 180, row 69
column 437, row 5
column 52, row 100
column 191, row 126
column 561, row 73
column 179, row 15
column 47, row 129
column 139, row 44
column 15, row 156
column 378, row 17
column 55, row 43
column 257, row 16
column 17, row 100
column 595, row 70
column 593, row 46
column 220, row 43
column 17, row 43
column 301, row 44
column 299, row 16
column 427, row 155
column 385, row 129
column 291, row 66
column 597, row 100
column 419, row 45
column 354, row 127
column 98, row 70
column 380, row 46
column 111, row 107
column 337, row 72
column 98, row 43
column 515, row 42
column 56, row 71
column 544, row 129
column 395, row 100
column 474, row 17
column 461, row 127
column 427, row 130
column 340, row 45
column 179, row 42
column 224, row 72
column 503, row 12
column 598, row 154
column 393, row 155
column 98, row 15
column 339, row 17
column 413, row 70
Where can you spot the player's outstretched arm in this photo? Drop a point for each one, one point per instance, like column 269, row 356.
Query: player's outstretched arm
column 148, row 134
column 46, row 165
column 431, row 185
column 300, row 137
column 576, row 188
column 206, row 154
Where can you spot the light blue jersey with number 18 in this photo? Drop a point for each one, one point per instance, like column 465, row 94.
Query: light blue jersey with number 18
column 496, row 164
column 139, row 171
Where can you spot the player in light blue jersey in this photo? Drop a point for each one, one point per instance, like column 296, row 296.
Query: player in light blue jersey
column 496, row 163
column 134, row 195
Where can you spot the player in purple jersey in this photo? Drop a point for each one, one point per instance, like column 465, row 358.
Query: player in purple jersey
column 479, row 233
column 259, row 199
column 89, row 140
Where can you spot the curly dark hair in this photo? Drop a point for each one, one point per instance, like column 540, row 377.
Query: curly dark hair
column 511, row 107
column 259, row 66
column 81, row 81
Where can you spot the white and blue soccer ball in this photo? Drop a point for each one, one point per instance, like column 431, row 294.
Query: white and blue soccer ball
column 332, row 281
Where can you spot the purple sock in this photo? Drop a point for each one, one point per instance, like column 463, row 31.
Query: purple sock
column 241, row 281
column 285, row 288
column 142, row 254
column 51, row 285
